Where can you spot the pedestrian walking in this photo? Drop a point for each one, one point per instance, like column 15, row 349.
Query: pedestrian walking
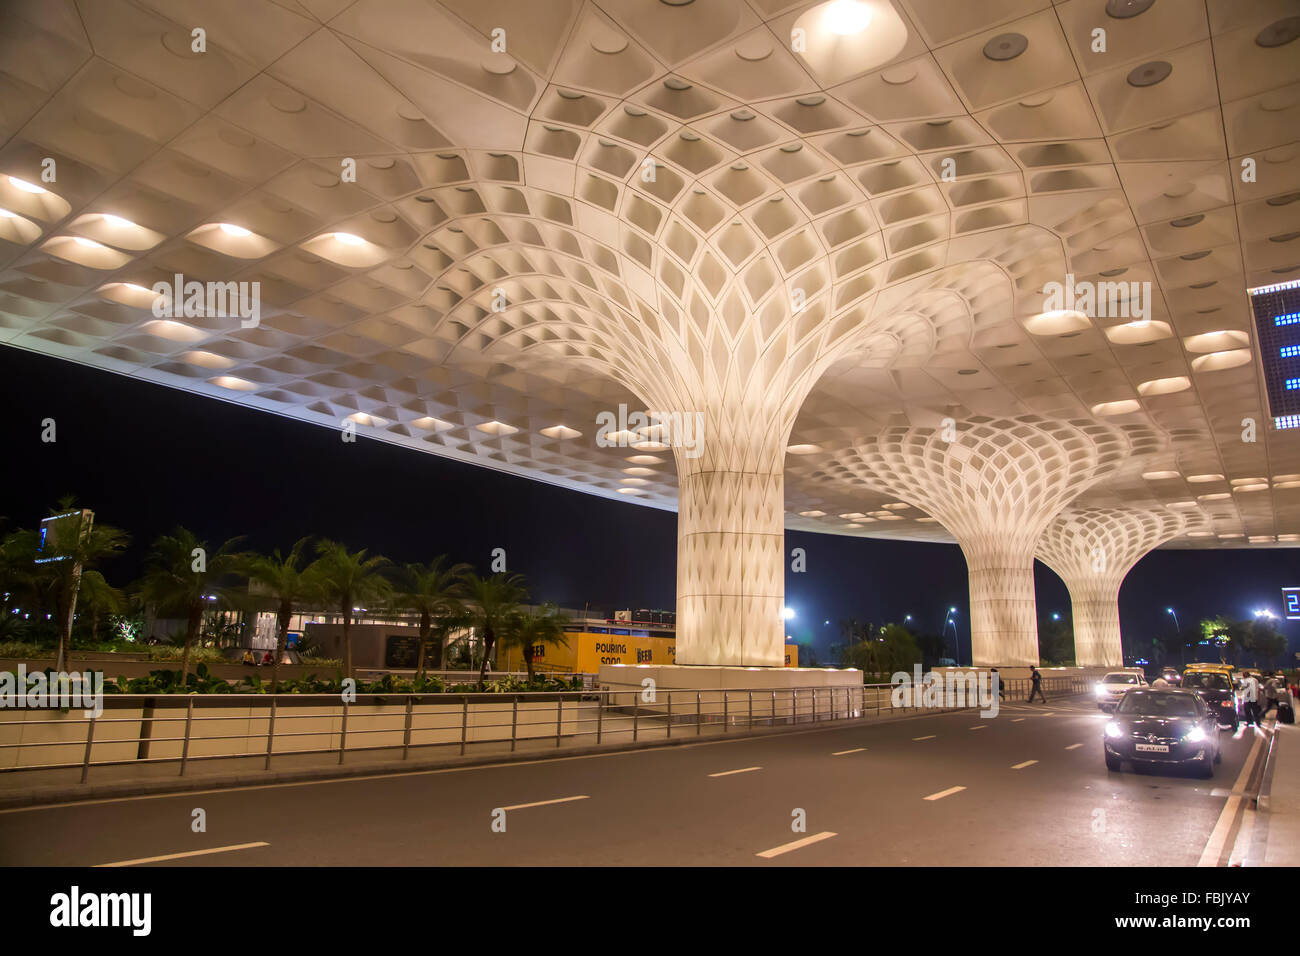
column 1250, row 698
column 1037, row 685
column 1002, row 688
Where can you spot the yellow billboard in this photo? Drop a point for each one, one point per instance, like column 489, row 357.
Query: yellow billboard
column 587, row 651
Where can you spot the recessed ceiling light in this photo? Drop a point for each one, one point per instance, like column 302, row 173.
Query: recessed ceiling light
column 1280, row 33
column 1124, row 9
column 116, row 220
column 88, row 243
column 6, row 214
column 847, row 17
column 348, row 239
column 1006, row 46
column 1149, row 74
column 25, row 186
column 232, row 230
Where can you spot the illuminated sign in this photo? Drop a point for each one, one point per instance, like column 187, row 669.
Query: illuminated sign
column 1291, row 603
column 1277, row 321
column 60, row 534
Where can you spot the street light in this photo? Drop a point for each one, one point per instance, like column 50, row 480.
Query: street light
column 956, row 651
column 1056, row 615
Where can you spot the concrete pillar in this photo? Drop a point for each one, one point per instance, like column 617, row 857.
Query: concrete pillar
column 995, row 484
column 1093, row 550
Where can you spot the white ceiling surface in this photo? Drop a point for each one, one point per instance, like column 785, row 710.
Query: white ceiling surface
column 773, row 170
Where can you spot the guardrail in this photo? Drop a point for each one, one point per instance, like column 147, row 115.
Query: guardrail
column 142, row 730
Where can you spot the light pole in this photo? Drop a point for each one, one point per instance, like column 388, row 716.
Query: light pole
column 1178, row 635
column 956, row 651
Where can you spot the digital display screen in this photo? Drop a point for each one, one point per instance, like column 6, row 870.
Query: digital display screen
column 1291, row 603
column 1277, row 322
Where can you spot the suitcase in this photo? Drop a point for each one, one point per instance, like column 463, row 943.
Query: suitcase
column 1285, row 713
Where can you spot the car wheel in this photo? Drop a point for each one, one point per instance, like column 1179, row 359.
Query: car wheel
column 1207, row 767
column 1112, row 763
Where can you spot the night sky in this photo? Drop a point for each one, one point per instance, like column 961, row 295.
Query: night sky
column 146, row 458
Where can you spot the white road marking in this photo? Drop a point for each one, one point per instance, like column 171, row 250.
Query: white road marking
column 926, row 737
column 1016, row 720
column 945, row 793
column 542, row 803
column 1050, row 714
column 728, row 773
column 1074, row 746
column 795, row 844
column 855, row 750
column 977, row 727
column 1022, row 766
column 1219, row 836
column 178, row 856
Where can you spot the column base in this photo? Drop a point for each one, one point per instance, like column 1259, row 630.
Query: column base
column 687, row 689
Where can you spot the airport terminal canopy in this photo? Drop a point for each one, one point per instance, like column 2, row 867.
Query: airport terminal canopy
column 926, row 269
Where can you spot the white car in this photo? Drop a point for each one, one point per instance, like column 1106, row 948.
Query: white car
column 1115, row 685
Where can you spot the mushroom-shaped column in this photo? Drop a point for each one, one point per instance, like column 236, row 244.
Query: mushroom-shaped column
column 1093, row 550
column 995, row 484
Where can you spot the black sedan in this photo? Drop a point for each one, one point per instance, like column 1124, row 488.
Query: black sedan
column 1216, row 690
column 1165, row 726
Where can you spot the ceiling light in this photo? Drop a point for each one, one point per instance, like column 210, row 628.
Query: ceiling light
column 1006, row 46
column 1149, row 74
column 116, row 220
column 6, row 214
column 25, row 186
column 89, row 243
column 847, row 17
column 232, row 230
column 348, row 239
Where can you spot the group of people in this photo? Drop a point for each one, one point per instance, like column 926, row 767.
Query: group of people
column 1260, row 693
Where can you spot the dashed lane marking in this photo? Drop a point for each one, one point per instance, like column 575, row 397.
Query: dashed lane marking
column 795, row 844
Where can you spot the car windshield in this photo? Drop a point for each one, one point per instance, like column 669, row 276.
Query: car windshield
column 1206, row 681
column 1155, row 704
column 1120, row 679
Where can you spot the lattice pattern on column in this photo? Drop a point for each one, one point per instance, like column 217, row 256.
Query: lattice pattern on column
column 1093, row 550
column 995, row 483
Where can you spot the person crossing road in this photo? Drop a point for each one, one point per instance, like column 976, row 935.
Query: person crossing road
column 1037, row 686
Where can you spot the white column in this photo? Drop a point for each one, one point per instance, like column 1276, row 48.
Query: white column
column 1092, row 550
column 1003, row 613
column 730, row 567
column 995, row 484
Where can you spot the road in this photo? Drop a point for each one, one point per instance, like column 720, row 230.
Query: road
column 1028, row 787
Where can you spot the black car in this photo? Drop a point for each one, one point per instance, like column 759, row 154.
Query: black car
column 1171, row 675
column 1216, row 690
column 1164, row 726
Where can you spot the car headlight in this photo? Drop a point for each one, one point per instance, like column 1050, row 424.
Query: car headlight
column 1101, row 691
column 1113, row 730
column 1195, row 735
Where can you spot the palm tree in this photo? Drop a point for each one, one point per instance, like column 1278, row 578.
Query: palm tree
column 180, row 576
column 433, row 591
column 99, row 599
column 70, row 561
column 530, row 630
column 347, row 577
column 288, row 581
column 496, row 600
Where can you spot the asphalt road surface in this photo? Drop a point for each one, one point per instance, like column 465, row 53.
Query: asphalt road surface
column 1028, row 787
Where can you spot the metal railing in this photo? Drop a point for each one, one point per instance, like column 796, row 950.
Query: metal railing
column 144, row 730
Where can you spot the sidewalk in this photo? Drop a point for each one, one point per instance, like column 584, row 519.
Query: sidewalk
column 1276, row 840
